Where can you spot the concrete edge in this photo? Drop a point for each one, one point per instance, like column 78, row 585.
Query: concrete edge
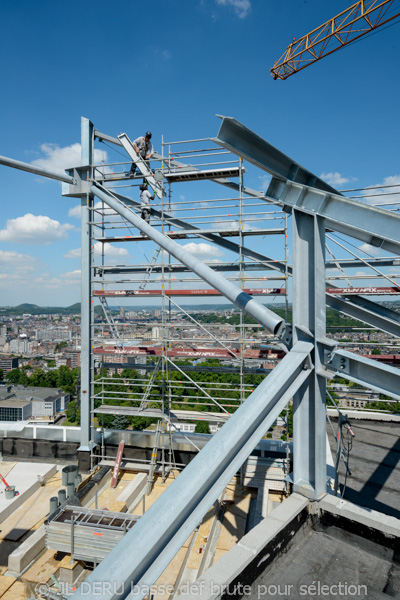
column 17, row 501
column 210, row 585
column 358, row 514
column 26, row 553
column 365, row 415
column 133, row 489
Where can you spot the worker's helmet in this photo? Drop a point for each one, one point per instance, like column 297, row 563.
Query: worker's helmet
column 148, row 135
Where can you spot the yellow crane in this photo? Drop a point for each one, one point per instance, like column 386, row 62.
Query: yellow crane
column 359, row 19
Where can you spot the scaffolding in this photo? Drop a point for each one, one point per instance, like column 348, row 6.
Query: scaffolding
column 319, row 216
column 175, row 333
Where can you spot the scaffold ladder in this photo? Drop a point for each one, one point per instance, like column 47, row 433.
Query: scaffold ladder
column 110, row 321
column 140, row 163
column 149, row 269
column 145, row 401
column 153, row 461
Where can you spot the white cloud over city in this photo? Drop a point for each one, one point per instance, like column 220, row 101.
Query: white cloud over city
column 34, row 230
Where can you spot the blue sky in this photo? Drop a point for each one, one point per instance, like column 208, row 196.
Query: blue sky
column 171, row 66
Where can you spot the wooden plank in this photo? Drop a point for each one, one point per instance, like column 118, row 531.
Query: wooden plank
column 15, row 592
column 40, row 571
column 117, row 465
column 5, row 584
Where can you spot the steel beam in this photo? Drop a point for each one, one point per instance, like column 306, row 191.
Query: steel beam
column 234, row 136
column 268, row 263
column 351, row 263
column 366, row 311
column 309, row 321
column 364, row 371
column 143, row 554
column 17, row 164
column 108, row 138
column 243, row 301
column 86, row 289
column 372, row 225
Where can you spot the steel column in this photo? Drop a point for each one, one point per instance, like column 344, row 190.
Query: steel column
column 87, row 139
column 145, row 551
column 309, row 321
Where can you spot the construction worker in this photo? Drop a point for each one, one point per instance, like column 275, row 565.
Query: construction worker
column 145, row 198
column 144, row 148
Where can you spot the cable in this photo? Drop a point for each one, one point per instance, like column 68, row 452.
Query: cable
column 347, row 447
column 113, row 148
column 374, row 187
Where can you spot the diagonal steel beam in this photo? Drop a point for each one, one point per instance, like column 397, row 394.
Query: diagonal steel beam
column 375, row 226
column 240, row 140
column 142, row 555
column 364, row 371
column 353, row 306
column 263, row 315
column 369, row 312
column 268, row 263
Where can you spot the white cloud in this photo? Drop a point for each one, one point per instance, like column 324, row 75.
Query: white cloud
column 265, row 181
column 335, row 178
column 15, row 262
column 60, row 158
column 31, row 229
column 241, row 7
column 202, row 249
column 390, row 195
column 75, row 253
column 109, row 250
column 75, row 211
column 71, row 275
column 370, row 250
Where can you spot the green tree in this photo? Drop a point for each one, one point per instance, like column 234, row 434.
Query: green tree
column 38, row 378
column 202, row 427
column 14, row 376
column 140, row 423
column 120, row 422
column 72, row 411
column 1, row 375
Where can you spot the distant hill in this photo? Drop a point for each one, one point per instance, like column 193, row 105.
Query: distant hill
column 34, row 309
column 26, row 307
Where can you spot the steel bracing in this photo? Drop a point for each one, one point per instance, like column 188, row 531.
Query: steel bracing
column 305, row 357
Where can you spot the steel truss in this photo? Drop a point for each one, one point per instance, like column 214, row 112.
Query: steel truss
column 311, row 358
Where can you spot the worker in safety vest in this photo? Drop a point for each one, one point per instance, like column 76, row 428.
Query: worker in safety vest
column 144, row 148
